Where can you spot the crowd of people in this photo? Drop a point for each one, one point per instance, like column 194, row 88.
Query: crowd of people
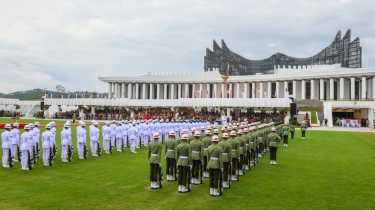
column 194, row 149
column 4, row 113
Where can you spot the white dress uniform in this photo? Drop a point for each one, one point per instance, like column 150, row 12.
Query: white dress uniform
column 133, row 135
column 106, row 129
column 113, row 133
column 37, row 136
column 81, row 141
column 146, row 134
column 46, row 145
column 119, row 137
column 15, row 134
column 66, row 140
column 6, row 143
column 94, row 137
column 125, row 134
column 25, row 147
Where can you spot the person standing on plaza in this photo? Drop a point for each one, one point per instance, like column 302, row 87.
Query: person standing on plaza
column 183, row 153
column 226, row 157
column 6, row 145
column 214, row 165
column 285, row 130
column 197, row 156
column 274, row 139
column 81, row 141
column 170, row 147
column 303, row 129
column 46, row 145
column 15, row 133
column 66, row 140
column 154, row 156
column 94, row 137
column 235, row 154
column 207, row 141
column 292, row 129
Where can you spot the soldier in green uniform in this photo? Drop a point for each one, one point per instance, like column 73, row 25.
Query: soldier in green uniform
column 154, row 155
column 202, row 134
column 206, row 143
column 303, row 129
column 235, row 150
column 226, row 152
column 183, row 153
column 197, row 156
column 191, row 137
column 222, row 131
column 292, row 129
column 252, row 146
column 242, row 153
column 216, row 133
column 260, row 134
column 215, row 165
column 247, row 138
column 179, row 140
column 285, row 134
column 274, row 140
column 170, row 147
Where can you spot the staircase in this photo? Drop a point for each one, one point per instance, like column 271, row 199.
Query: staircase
column 27, row 107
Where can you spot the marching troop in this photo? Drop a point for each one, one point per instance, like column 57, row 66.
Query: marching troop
column 193, row 150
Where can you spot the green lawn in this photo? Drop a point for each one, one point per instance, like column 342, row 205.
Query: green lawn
column 328, row 170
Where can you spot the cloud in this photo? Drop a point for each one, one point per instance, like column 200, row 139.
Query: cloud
column 73, row 42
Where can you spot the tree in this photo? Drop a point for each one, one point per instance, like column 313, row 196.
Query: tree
column 60, row 89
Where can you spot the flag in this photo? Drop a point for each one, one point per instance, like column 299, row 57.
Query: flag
column 57, row 95
column 81, row 94
column 105, row 96
column 200, row 92
column 243, row 94
column 187, row 94
column 113, row 95
column 214, row 94
column 46, row 95
column 195, row 95
column 221, row 94
column 123, row 95
column 97, row 95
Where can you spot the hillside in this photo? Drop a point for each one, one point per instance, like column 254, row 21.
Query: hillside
column 38, row 94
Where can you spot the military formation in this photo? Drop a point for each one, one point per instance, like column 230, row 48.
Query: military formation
column 194, row 150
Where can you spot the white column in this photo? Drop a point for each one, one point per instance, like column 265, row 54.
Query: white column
column 136, row 90
column 341, row 88
column 186, row 94
column 158, row 91
column 222, row 91
column 119, row 90
column 208, row 91
column 165, row 86
column 303, row 91
column 261, row 90
column 321, row 89
column 151, row 91
column 269, row 91
column 109, row 90
column 245, row 90
column 179, row 91
column 331, row 89
column 230, row 95
column 116, row 90
column 364, row 88
column 373, row 87
column 172, row 91
column 312, row 89
column 214, row 92
column 200, row 90
column 113, row 90
column 130, row 90
column 123, row 89
column 352, row 88
column 238, row 90
column 295, row 88
column 278, row 89
column 193, row 91
column 253, row 94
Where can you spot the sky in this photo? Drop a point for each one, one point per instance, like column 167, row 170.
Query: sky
column 45, row 43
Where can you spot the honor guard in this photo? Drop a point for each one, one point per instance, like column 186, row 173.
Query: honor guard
column 235, row 150
column 46, row 145
column 274, row 140
column 119, row 141
column 6, row 144
column 170, row 147
column 285, row 130
column 133, row 135
column 183, row 153
column 303, row 129
column 26, row 143
column 15, row 133
column 66, row 140
column 179, row 140
column 226, row 154
column 206, row 143
column 125, row 128
column 154, row 155
column 81, row 140
column 215, row 165
column 113, row 132
column 197, row 151
column 242, row 154
column 106, row 132
column 94, row 137
column 292, row 129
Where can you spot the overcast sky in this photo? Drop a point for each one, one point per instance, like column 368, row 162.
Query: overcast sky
column 44, row 43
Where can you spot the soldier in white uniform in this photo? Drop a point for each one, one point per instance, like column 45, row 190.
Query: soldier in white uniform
column 66, row 140
column 94, row 137
column 25, row 147
column 53, row 131
column 125, row 129
column 133, row 135
column 15, row 133
column 47, row 141
column 106, row 129
column 113, row 132
column 81, row 140
column 119, row 141
column 6, row 144
column 37, row 137
column 146, row 133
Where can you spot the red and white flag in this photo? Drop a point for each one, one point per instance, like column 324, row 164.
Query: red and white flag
column 113, row 95
column 187, row 94
column 214, row 94
column 46, row 95
column 221, row 94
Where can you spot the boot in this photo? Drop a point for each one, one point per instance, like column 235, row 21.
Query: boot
column 46, row 164
column 6, row 166
column 183, row 189
column 152, row 185
column 25, row 168
column 274, row 162
column 211, row 191
column 286, row 145
column 271, row 162
column 179, row 188
column 216, row 193
column 156, row 186
column 197, row 181
column 234, row 178
column 240, row 173
column 225, row 185
column 81, row 157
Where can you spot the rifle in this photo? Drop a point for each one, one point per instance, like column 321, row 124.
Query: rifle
column 238, row 170
column 220, row 180
column 34, row 155
column 50, row 159
column 70, row 153
column 30, row 161
column 85, row 151
column 10, row 161
column 189, row 176
column 110, row 147
column 160, row 177
column 229, row 181
column 98, row 150
column 200, row 175
column 18, row 153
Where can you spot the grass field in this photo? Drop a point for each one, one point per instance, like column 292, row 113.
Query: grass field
column 328, row 170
